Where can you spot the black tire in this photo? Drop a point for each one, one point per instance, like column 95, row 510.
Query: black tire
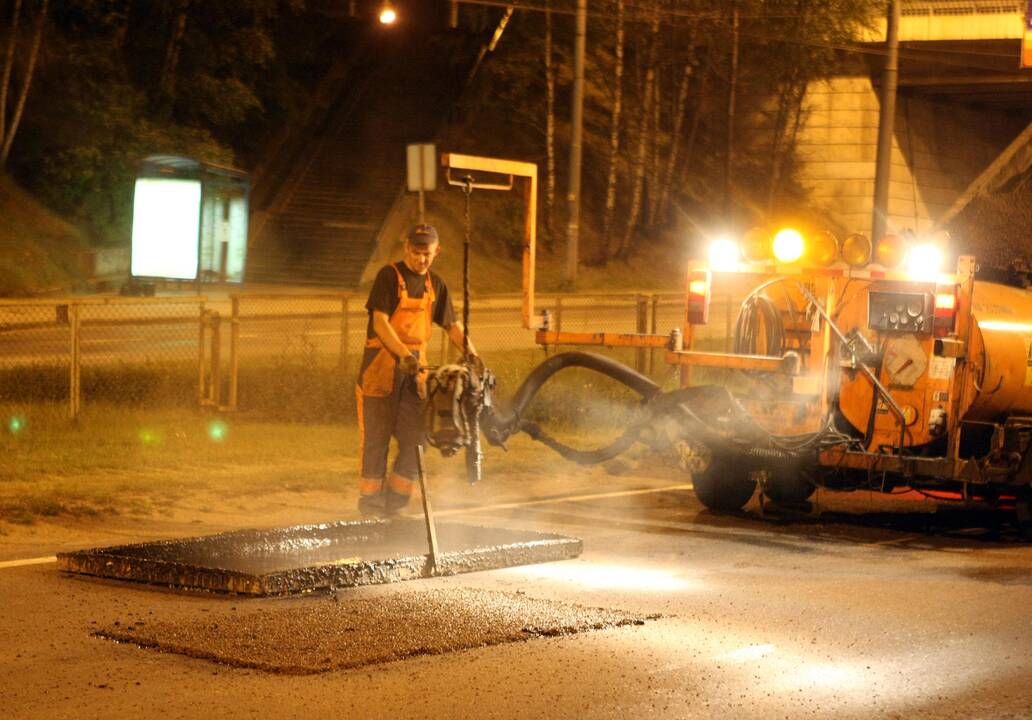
column 1023, row 515
column 723, row 486
column 789, row 487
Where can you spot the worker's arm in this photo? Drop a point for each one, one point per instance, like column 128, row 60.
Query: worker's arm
column 389, row 338
column 455, row 334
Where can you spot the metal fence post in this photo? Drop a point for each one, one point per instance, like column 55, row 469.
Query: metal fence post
column 202, row 321
column 652, row 326
column 74, row 388
column 345, row 336
column 727, row 323
column 641, row 327
column 234, row 350
column 558, row 313
column 216, row 362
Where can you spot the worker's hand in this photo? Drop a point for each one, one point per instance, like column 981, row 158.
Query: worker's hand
column 410, row 365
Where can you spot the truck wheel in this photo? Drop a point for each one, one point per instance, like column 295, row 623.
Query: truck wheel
column 723, row 486
column 795, row 487
column 1023, row 512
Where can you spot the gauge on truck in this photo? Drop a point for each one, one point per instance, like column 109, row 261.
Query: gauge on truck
column 905, row 360
column 900, row 311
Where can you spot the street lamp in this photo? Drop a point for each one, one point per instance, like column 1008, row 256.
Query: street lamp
column 387, row 13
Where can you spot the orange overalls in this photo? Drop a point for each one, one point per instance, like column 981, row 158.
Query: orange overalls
column 389, row 404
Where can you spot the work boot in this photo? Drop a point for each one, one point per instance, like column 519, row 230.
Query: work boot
column 372, row 506
column 394, row 503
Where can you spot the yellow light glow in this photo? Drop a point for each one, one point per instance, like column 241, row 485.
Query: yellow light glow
column 756, row 245
column 823, row 249
column 829, row 675
column 856, row 250
column 387, row 15
column 697, row 287
column 1006, row 326
column 724, row 254
column 605, row 577
column 749, row 652
column 945, row 301
column 924, row 261
column 890, row 251
column 788, row 245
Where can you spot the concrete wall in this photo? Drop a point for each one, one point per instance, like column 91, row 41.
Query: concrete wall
column 937, row 150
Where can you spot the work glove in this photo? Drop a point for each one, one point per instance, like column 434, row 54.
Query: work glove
column 410, row 365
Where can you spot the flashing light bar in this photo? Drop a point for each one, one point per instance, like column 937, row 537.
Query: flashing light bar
column 698, row 297
column 945, row 313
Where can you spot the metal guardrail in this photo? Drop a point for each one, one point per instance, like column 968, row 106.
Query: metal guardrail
column 282, row 353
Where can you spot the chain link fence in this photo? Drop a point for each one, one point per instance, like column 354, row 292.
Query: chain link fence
column 291, row 357
column 123, row 351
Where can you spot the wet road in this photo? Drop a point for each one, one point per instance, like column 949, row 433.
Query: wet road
column 838, row 616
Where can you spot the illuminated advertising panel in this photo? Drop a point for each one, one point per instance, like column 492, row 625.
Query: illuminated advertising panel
column 166, row 222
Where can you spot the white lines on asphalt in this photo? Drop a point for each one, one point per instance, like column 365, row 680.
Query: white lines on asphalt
column 458, row 511
column 550, row 501
column 28, row 561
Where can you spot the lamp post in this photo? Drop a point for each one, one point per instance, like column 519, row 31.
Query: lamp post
column 890, row 75
column 577, row 122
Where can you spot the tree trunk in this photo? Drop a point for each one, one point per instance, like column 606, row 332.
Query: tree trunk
column 167, row 82
column 30, row 69
column 693, row 130
column 787, row 146
column 654, row 141
column 549, row 126
column 614, row 134
column 675, row 142
column 732, row 81
column 639, row 162
column 5, row 80
column 788, row 97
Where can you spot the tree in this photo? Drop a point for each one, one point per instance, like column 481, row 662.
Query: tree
column 549, row 124
column 9, row 129
column 614, row 133
column 648, row 97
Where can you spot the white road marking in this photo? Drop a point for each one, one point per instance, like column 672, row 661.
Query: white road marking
column 459, row 511
column 28, row 561
column 549, row 501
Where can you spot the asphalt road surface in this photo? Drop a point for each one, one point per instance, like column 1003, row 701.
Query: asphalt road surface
column 879, row 615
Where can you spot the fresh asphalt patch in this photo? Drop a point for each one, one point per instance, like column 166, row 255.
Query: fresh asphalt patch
column 341, row 633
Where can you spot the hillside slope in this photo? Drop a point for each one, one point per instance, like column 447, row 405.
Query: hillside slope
column 38, row 250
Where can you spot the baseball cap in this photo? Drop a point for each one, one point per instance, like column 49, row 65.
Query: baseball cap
column 422, row 234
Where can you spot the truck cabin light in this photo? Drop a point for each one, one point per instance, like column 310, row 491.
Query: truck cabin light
column 945, row 309
column 856, row 250
column 698, row 297
column 788, row 245
column 924, row 261
column 724, row 254
column 890, row 251
column 756, row 245
column 822, row 250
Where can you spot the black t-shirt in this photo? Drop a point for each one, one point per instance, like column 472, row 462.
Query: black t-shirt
column 384, row 295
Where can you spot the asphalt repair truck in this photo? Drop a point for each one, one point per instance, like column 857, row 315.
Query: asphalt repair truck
column 851, row 366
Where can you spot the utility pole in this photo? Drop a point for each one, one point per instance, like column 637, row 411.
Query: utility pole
column 577, row 121
column 890, row 75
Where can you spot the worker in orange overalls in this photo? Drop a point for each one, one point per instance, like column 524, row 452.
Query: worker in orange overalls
column 406, row 298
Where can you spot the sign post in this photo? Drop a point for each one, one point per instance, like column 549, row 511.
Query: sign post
column 421, row 166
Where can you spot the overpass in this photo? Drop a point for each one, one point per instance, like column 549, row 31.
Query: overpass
column 962, row 125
